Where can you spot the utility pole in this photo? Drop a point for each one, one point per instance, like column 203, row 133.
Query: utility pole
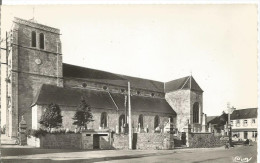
column 130, row 122
column 230, row 111
column 8, row 45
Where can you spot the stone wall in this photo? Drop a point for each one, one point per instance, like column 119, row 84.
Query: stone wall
column 180, row 102
column 61, row 141
column 98, row 85
column 31, row 67
column 33, row 141
column 196, row 97
column 120, row 141
column 154, row 141
column 144, row 141
column 204, row 140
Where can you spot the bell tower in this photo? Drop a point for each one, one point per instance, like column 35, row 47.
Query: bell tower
column 185, row 96
column 35, row 59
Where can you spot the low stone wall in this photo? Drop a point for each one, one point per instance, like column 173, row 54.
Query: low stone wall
column 33, row 141
column 144, row 141
column 154, row 141
column 88, row 140
column 120, row 141
column 204, row 140
column 61, row 141
column 56, row 141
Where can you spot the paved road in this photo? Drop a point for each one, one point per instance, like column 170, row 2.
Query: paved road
column 11, row 153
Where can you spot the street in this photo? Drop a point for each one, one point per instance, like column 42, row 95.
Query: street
column 12, row 153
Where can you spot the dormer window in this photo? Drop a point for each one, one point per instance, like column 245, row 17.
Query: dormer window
column 33, row 35
column 41, row 41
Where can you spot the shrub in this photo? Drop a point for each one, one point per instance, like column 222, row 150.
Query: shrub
column 37, row 133
column 51, row 117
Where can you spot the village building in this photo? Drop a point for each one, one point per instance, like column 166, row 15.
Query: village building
column 244, row 124
column 36, row 77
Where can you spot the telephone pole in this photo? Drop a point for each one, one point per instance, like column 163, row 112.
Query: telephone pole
column 130, row 120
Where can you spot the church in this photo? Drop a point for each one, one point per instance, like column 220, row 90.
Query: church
column 36, row 77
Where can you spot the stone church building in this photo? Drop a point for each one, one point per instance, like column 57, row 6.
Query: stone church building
column 36, row 77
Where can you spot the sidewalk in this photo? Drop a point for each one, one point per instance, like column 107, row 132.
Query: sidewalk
column 5, row 140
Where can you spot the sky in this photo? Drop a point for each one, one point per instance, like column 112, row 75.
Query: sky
column 217, row 44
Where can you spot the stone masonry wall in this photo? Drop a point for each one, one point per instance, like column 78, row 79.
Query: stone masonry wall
column 196, row 97
column 31, row 74
column 180, row 102
column 147, row 141
column 61, row 141
column 76, row 83
column 144, row 141
column 120, row 141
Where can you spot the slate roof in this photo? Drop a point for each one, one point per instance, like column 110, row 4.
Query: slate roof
column 214, row 120
column 98, row 99
column 187, row 82
column 244, row 113
column 210, row 118
column 72, row 71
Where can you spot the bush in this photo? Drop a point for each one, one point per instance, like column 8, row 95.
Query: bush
column 51, row 117
column 41, row 132
column 38, row 133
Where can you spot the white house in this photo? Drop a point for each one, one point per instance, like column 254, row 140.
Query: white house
column 244, row 124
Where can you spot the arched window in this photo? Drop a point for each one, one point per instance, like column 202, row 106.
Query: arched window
column 41, row 40
column 196, row 112
column 103, row 120
column 141, row 120
column 156, row 121
column 121, row 121
column 33, row 39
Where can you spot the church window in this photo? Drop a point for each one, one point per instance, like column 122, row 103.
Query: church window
column 41, row 40
column 33, row 39
column 103, row 120
column 84, row 85
column 121, row 122
column 156, row 121
column 105, row 87
column 141, row 121
column 196, row 112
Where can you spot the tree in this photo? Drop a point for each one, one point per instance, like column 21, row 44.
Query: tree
column 83, row 115
column 51, row 117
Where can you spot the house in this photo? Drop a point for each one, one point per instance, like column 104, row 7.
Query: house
column 244, row 124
